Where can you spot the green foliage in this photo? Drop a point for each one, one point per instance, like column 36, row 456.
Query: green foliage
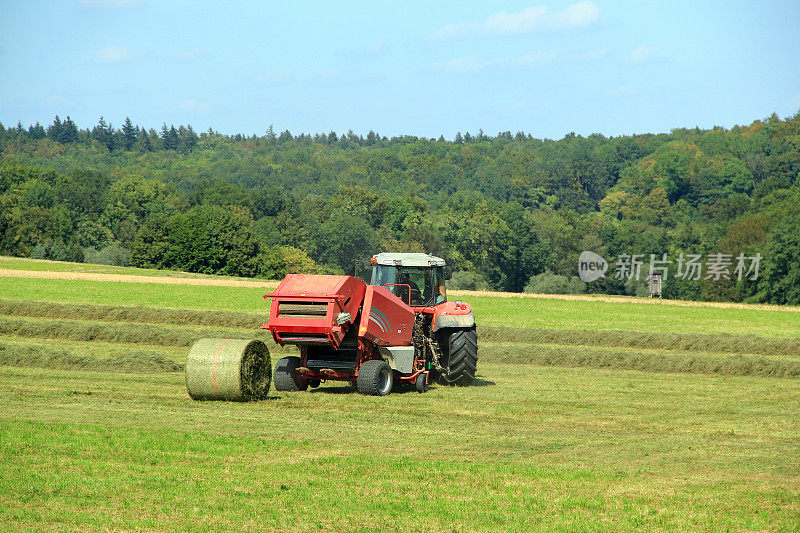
column 341, row 238
column 207, row 239
column 672, row 169
column 113, row 254
column 278, row 261
column 505, row 208
column 780, row 281
column 465, row 280
column 133, row 199
column 549, row 283
column 56, row 250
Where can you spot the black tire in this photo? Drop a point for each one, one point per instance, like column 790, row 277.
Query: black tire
column 422, row 383
column 285, row 377
column 375, row 378
column 314, row 383
column 462, row 356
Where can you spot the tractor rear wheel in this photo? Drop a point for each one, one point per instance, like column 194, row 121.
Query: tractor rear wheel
column 375, row 378
column 462, row 356
column 285, row 377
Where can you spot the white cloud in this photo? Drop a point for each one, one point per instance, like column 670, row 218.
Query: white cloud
column 536, row 18
column 642, row 53
column 378, row 49
column 329, row 75
column 271, row 76
column 110, row 4
column 54, row 99
column 462, row 65
column 115, row 54
column 621, row 92
column 193, row 53
column 343, row 76
column 193, row 106
column 532, row 59
column 597, row 54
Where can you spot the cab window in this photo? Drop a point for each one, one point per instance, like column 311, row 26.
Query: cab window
column 421, row 286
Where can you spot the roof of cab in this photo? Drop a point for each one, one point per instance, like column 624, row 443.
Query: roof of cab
column 408, row 259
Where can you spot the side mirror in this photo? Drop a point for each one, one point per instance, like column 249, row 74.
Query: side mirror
column 448, row 273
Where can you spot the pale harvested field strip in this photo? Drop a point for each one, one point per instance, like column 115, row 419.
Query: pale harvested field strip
column 130, row 278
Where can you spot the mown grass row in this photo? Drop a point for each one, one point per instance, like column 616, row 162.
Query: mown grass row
column 133, row 358
column 119, row 313
column 151, row 361
column 116, row 332
column 542, row 346
column 685, row 342
column 50, row 357
column 673, row 341
column 580, row 356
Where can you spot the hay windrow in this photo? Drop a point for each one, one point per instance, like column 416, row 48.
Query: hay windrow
column 114, row 313
column 47, row 357
column 113, row 332
column 736, row 365
column 685, row 342
column 743, row 344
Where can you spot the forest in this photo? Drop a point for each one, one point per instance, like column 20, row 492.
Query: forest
column 509, row 211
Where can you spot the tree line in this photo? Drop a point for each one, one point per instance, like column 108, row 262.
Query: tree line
column 508, row 211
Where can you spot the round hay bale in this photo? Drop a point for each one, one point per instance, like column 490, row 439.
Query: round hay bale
column 228, row 369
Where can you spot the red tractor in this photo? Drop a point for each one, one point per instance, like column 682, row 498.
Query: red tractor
column 399, row 327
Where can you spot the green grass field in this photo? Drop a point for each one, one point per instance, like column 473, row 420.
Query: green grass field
column 587, row 416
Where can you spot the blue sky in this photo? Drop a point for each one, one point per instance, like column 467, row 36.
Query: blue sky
column 418, row 68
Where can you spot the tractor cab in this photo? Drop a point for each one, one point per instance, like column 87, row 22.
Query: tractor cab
column 417, row 279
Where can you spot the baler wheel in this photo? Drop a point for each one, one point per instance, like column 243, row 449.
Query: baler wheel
column 285, row 376
column 462, row 356
column 375, row 378
column 422, row 383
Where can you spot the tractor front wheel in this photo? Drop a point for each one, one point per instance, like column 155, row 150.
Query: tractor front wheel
column 285, row 377
column 462, row 356
column 375, row 378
